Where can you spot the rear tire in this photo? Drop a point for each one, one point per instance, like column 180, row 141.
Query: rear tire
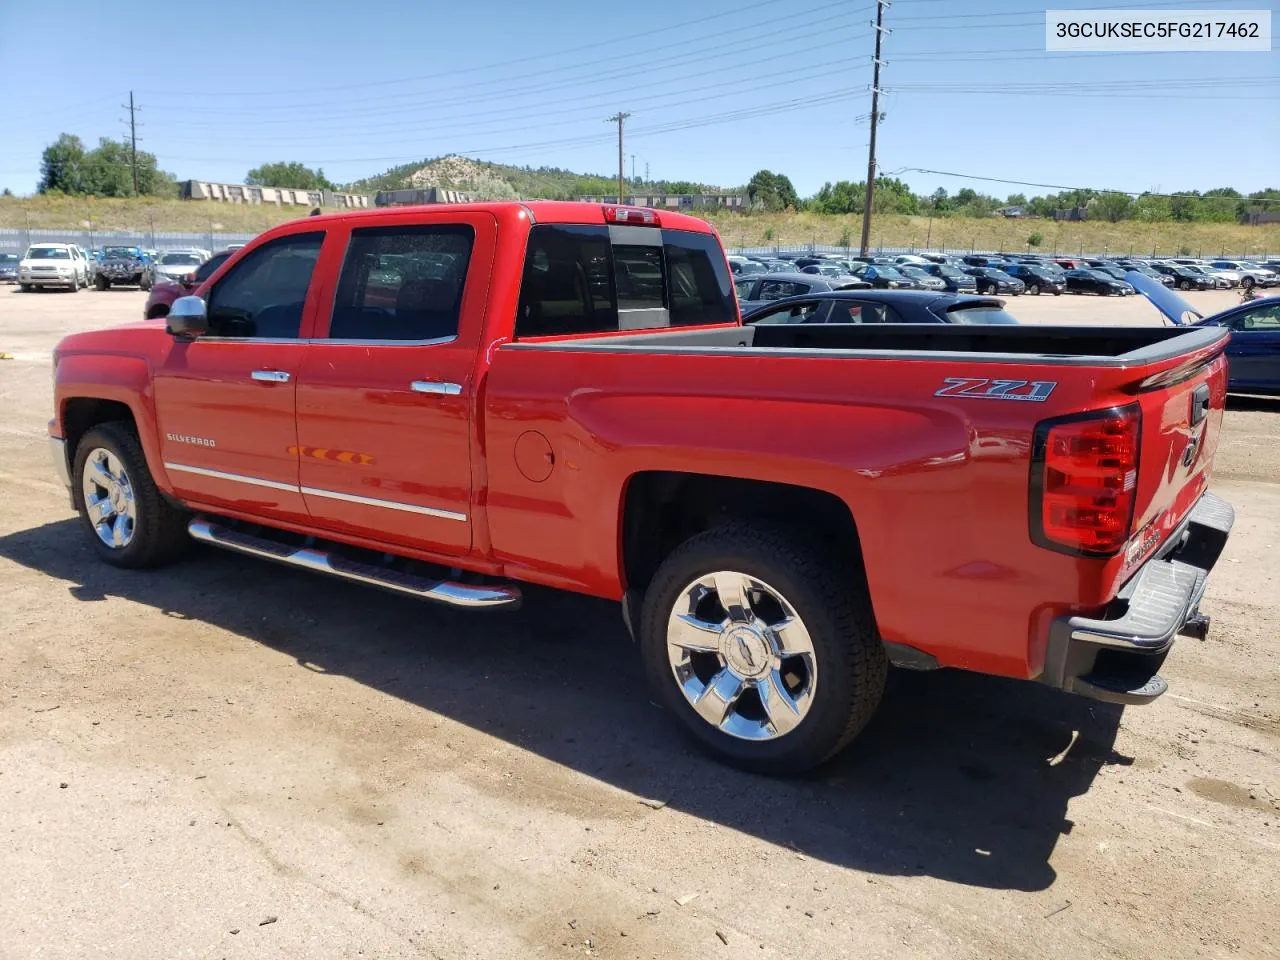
column 1034, row 289
column 1184, row 285
column 795, row 600
column 1247, row 283
column 128, row 522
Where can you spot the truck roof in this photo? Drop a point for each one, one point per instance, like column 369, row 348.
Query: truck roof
column 542, row 211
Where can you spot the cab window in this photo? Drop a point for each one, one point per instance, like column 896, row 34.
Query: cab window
column 402, row 283
column 262, row 296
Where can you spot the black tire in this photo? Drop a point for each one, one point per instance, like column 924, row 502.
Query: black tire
column 1057, row 293
column 100, row 282
column 1184, row 285
column 831, row 598
column 1034, row 289
column 1247, row 282
column 25, row 287
column 144, row 283
column 160, row 530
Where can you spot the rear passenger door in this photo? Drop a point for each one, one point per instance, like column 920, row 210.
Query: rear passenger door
column 385, row 393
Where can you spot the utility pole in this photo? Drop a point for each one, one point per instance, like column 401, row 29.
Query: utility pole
column 133, row 141
column 646, row 171
column 618, row 118
column 875, row 117
column 633, row 168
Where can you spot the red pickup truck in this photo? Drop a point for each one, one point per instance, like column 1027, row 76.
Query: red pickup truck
column 449, row 401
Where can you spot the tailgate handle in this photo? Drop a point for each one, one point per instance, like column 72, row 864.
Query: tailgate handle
column 1199, row 403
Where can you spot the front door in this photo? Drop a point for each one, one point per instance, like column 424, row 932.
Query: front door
column 385, row 396
column 225, row 401
column 1253, row 354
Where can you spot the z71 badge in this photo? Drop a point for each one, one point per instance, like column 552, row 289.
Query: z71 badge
column 982, row 388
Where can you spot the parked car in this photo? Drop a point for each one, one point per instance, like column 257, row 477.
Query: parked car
column 172, row 266
column 1036, row 279
column 1253, row 353
column 569, row 448
column 53, row 265
column 884, row 276
column 882, row 306
column 991, row 280
column 1222, row 280
column 1068, row 263
column 164, row 292
column 757, row 290
column 954, row 279
column 924, row 280
column 1251, row 274
column 9, row 267
column 825, row 269
column 1146, row 270
column 1184, row 278
column 911, row 259
column 1096, row 282
column 123, row 265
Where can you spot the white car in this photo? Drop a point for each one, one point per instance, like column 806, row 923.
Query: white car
column 54, row 265
column 911, row 259
column 174, row 265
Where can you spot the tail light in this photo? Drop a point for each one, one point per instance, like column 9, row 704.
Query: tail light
column 1084, row 477
column 639, row 216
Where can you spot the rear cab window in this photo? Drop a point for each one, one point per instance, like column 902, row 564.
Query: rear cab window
column 586, row 279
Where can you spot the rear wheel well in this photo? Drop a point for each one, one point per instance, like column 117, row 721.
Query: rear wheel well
column 663, row 509
column 159, row 310
column 82, row 414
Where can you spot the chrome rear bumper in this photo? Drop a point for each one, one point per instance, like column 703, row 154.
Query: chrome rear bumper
column 1114, row 657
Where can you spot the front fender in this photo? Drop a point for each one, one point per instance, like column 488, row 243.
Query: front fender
column 123, row 379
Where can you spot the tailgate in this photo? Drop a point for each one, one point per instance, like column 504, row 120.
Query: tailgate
column 1181, row 422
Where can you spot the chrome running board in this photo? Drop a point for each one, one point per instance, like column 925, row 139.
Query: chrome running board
column 322, row 561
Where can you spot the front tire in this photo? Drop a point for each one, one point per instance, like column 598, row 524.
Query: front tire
column 765, row 650
column 1247, row 283
column 1184, row 285
column 1034, row 289
column 100, row 282
column 128, row 522
column 25, row 287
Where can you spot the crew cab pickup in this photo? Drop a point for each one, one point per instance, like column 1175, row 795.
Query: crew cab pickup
column 450, row 402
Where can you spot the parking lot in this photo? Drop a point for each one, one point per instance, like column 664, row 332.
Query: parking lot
column 227, row 758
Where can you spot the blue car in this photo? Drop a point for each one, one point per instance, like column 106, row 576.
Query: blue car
column 1253, row 353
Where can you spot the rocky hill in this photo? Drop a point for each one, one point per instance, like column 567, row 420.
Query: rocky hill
column 496, row 181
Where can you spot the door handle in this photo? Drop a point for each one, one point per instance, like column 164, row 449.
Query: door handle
column 270, row 376
column 437, row 387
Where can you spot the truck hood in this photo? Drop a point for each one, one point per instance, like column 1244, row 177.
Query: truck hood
column 1179, row 312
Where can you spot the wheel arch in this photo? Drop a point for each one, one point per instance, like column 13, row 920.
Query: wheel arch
column 660, row 509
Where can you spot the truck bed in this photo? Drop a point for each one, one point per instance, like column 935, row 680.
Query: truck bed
column 1113, row 346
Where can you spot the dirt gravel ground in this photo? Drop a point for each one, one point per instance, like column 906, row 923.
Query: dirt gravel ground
column 230, row 759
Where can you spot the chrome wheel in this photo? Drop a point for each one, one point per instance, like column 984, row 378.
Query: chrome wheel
column 108, row 498
column 742, row 656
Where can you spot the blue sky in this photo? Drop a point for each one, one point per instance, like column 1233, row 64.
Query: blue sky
column 716, row 90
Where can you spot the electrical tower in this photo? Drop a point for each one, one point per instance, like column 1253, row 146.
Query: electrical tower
column 133, row 140
column 619, row 118
column 875, row 117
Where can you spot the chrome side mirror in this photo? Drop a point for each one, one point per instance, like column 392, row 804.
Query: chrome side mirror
column 188, row 318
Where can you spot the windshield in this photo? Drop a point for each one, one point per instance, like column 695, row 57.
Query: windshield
column 946, row 270
column 888, row 272
column 752, row 266
column 48, row 253
column 117, row 252
column 8, row 257
column 915, row 272
column 184, row 259
column 979, row 313
column 1096, row 275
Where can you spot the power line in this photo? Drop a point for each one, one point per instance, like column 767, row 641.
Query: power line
column 469, row 99
column 1060, row 187
column 595, row 45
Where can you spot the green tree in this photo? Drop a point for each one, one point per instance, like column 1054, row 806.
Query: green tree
column 772, row 191
column 1112, row 207
column 1016, row 200
column 1035, row 239
column 61, row 165
column 291, row 174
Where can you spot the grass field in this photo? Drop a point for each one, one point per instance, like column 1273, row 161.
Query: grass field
column 737, row 230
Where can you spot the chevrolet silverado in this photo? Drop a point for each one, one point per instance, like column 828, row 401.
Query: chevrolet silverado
column 448, row 402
